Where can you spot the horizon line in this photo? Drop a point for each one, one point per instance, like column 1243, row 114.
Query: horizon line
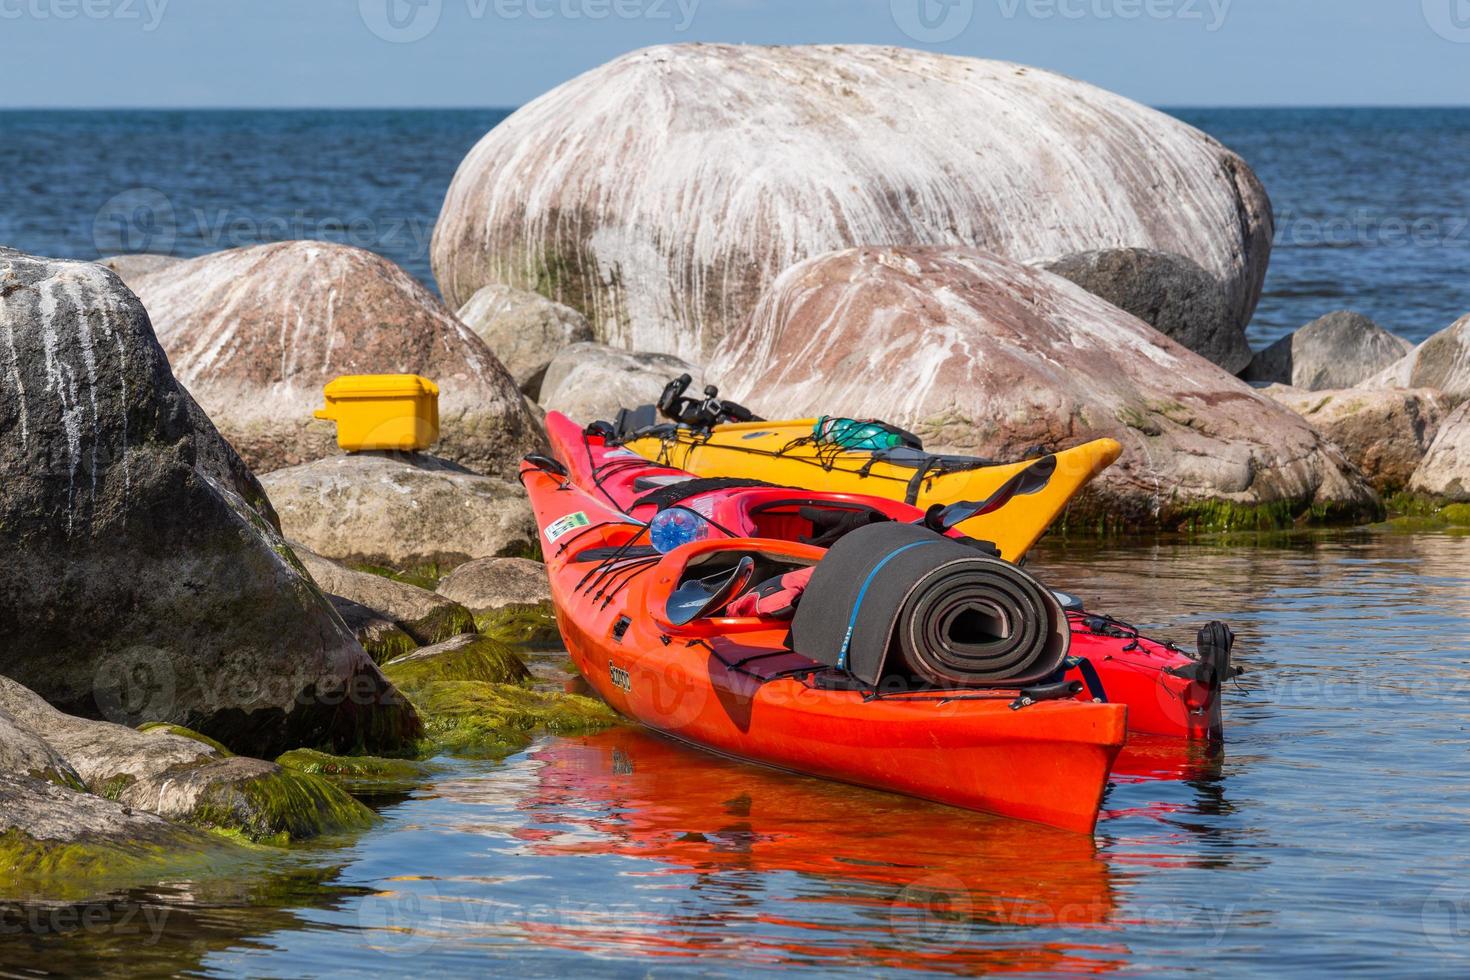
column 1284, row 106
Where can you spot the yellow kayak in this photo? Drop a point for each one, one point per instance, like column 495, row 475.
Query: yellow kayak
column 1022, row 499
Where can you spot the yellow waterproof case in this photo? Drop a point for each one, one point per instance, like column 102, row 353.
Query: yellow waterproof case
column 383, row 411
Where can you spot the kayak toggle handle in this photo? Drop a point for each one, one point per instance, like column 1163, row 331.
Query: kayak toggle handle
column 1051, row 692
column 548, row 465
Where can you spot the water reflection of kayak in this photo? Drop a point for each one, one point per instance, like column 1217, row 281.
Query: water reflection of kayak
column 947, row 889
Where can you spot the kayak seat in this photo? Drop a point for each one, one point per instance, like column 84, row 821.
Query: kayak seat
column 775, row 598
column 704, row 569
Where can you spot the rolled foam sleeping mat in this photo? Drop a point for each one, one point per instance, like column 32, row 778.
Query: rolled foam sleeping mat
column 899, row 599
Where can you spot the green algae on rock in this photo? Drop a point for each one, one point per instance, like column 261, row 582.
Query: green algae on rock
column 473, row 718
column 520, row 625
column 360, row 775
column 1414, row 514
column 464, row 658
column 260, row 800
column 424, row 615
column 510, row 599
column 382, row 638
column 59, row 844
column 474, row 697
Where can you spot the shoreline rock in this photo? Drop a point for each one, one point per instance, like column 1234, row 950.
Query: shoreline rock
column 1340, row 350
column 401, row 510
column 185, row 778
column 256, row 333
column 139, row 583
column 980, row 355
column 1445, row 471
column 425, row 616
column 590, row 382
column 1385, row 433
column 524, row 329
column 1170, row 293
column 1441, row 362
column 63, row 845
column 509, row 597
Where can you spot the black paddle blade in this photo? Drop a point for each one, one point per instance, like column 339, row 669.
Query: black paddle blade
column 702, row 596
column 1033, row 479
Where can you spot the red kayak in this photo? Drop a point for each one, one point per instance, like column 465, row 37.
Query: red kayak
column 1167, row 691
column 733, row 685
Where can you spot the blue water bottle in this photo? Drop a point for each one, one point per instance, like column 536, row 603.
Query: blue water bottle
column 676, row 526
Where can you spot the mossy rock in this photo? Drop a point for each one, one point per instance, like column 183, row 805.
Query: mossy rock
column 278, row 806
column 387, row 644
column 57, row 871
column 475, row 718
column 465, row 658
column 182, row 732
column 520, row 625
column 424, row 576
column 57, row 844
column 1415, row 515
column 1412, row 505
column 360, row 775
column 1457, row 515
column 1414, row 524
column 441, row 625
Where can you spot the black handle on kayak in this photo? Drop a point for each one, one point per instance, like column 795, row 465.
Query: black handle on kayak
column 1049, row 692
column 1033, row 479
column 548, row 464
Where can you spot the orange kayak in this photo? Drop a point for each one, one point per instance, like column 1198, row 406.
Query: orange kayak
column 733, row 686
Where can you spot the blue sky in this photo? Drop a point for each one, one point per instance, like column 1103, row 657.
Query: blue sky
column 346, row 53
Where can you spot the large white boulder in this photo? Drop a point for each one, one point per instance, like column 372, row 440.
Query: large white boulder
column 661, row 193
